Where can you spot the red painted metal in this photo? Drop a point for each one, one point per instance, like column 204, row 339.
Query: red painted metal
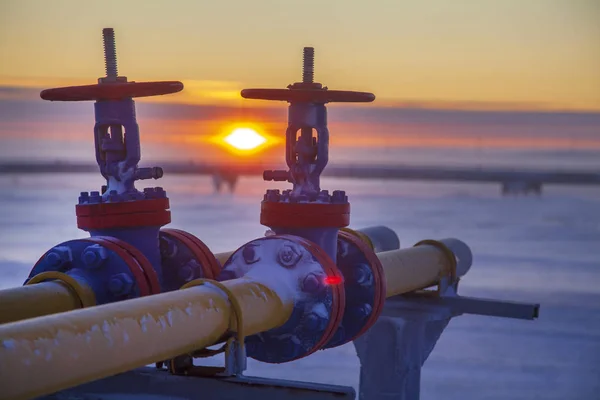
column 305, row 215
column 205, row 260
column 111, row 91
column 97, row 222
column 149, row 271
column 122, row 207
column 209, row 257
column 378, row 280
column 127, row 214
column 311, row 95
column 134, row 266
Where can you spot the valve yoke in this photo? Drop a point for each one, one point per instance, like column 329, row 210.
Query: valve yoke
column 307, row 154
column 116, row 132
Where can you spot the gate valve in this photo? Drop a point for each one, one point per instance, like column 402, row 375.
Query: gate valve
column 307, row 154
column 127, row 255
column 116, row 133
column 340, row 282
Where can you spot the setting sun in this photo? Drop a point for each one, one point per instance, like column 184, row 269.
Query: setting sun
column 245, row 139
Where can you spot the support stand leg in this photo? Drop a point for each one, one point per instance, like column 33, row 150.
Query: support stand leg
column 393, row 351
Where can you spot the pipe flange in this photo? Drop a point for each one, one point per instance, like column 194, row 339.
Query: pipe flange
column 113, row 269
column 319, row 298
column 141, row 259
column 364, row 283
column 94, row 213
column 185, row 258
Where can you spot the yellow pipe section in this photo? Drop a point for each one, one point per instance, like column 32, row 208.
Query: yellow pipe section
column 223, row 257
column 38, row 356
column 44, row 294
column 47, row 354
column 39, row 298
column 36, row 300
column 414, row 268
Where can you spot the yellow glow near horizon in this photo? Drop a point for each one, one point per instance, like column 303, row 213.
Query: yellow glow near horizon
column 541, row 54
column 245, row 139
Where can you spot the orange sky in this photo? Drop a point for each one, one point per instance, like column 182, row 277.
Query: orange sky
column 494, row 53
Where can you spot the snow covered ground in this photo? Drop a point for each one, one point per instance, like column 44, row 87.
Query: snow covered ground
column 544, row 250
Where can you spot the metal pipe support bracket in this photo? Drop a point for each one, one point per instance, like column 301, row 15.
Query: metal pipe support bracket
column 234, row 348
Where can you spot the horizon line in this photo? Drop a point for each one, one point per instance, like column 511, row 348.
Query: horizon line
column 19, row 92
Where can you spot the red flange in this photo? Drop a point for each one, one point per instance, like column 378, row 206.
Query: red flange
column 111, row 91
column 124, row 207
column 210, row 265
column 305, row 215
column 141, row 280
column 128, row 214
column 339, row 294
column 378, row 280
column 309, row 95
column 149, row 271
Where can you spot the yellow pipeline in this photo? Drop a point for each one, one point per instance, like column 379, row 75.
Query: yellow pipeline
column 40, row 297
column 223, row 257
column 415, row 268
column 109, row 339
column 47, row 354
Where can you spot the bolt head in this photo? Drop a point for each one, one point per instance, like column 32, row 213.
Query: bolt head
column 54, row 259
column 160, row 193
column 312, row 283
column 168, row 247
column 362, row 275
column 315, row 322
column 149, row 193
column 120, row 284
column 272, row 197
column 95, row 198
column 339, row 196
column 186, row 273
column 114, row 197
column 250, row 254
column 362, row 312
column 84, row 197
column 94, row 256
column 59, row 256
column 288, row 255
column 189, row 271
column 323, row 197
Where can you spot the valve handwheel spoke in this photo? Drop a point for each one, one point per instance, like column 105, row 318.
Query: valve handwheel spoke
column 308, row 95
column 111, row 91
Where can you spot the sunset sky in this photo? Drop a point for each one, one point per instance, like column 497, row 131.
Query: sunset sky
column 507, row 55
column 542, row 52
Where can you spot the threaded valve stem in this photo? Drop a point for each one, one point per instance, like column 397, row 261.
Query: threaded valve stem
column 308, row 65
column 110, row 52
